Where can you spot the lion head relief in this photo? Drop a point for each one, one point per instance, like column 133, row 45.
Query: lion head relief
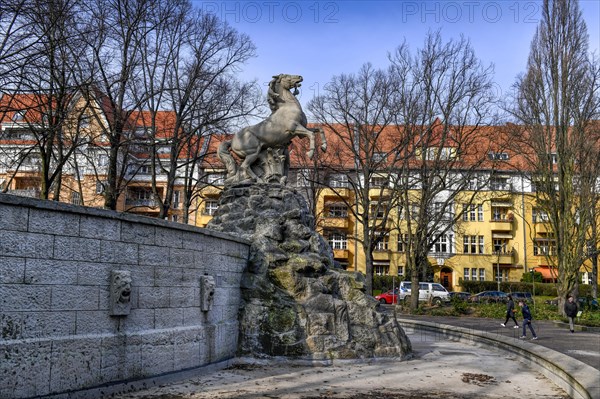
column 120, row 292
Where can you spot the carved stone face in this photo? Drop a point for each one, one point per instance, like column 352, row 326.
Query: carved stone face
column 122, row 288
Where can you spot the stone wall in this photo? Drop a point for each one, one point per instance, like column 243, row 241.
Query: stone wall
column 172, row 305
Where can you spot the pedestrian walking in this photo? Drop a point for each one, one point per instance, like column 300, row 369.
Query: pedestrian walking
column 510, row 312
column 526, row 320
column 571, row 312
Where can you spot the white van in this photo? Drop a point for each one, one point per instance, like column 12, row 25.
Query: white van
column 434, row 292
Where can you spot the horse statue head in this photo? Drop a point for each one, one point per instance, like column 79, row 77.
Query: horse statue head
column 278, row 84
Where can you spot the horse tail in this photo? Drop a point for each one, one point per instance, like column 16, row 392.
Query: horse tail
column 227, row 159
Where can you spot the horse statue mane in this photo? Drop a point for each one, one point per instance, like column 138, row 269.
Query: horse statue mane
column 263, row 148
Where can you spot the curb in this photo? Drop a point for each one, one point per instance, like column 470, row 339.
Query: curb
column 576, row 378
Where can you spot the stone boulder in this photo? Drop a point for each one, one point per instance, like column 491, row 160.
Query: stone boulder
column 294, row 302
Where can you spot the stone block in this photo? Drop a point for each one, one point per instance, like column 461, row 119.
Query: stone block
column 25, row 369
column 96, row 227
column 13, row 218
column 183, row 297
column 27, row 245
column 181, row 257
column 186, row 351
column 193, row 241
column 50, row 272
column 168, row 318
column 137, row 320
column 143, row 276
column 113, row 351
column 191, row 276
column 48, row 324
column 118, row 252
column 138, row 233
column 192, row 316
column 158, row 353
column 95, row 322
column 168, row 276
column 52, row 222
column 150, row 255
column 93, row 273
column 74, row 248
column 25, row 298
column 75, row 298
column 12, row 270
column 75, row 363
column 153, row 297
column 166, row 237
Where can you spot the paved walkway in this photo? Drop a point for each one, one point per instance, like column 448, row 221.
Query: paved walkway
column 581, row 345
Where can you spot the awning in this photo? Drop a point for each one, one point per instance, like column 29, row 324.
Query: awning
column 501, row 235
column 501, row 205
column 381, row 263
column 547, row 274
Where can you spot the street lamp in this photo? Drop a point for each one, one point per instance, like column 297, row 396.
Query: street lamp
column 533, row 287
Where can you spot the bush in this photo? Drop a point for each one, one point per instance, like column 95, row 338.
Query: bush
column 545, row 289
column 384, row 283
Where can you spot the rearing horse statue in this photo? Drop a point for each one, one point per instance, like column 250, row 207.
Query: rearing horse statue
column 264, row 146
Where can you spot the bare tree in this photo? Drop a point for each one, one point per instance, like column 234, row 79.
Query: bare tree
column 44, row 85
column 189, row 62
column 446, row 101
column 557, row 99
column 358, row 111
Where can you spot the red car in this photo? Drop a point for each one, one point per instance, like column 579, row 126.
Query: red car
column 387, row 297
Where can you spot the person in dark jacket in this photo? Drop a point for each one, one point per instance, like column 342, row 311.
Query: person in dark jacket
column 510, row 312
column 571, row 311
column 526, row 320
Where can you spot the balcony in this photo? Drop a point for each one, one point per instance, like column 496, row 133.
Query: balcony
column 148, row 203
column 341, row 254
column 27, row 192
column 335, row 222
column 503, row 258
column 501, row 225
column 381, row 255
column 542, row 228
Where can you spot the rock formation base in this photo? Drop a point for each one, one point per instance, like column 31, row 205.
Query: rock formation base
column 294, row 302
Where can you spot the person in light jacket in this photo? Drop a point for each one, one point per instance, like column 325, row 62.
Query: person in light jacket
column 526, row 320
column 510, row 312
column 571, row 312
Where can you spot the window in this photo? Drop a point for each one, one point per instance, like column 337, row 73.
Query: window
column 145, row 170
column 382, row 244
column 540, row 216
column 473, row 183
column 336, row 211
column 473, row 244
column 75, row 198
column 303, row 178
column 499, row 183
column 481, row 274
column 381, row 269
column 472, row 212
column 379, row 181
column 379, row 156
column 176, row 197
column 413, row 212
column 499, row 245
column 497, row 156
column 338, row 181
column 18, row 116
column 378, row 210
column 543, row 247
column 215, row 179
column 102, row 160
column 443, row 244
column 400, row 270
column 474, row 274
column 501, row 275
column 338, row 240
column 210, row 207
column 175, row 218
column 100, row 187
column 466, row 274
column 402, row 242
column 84, row 122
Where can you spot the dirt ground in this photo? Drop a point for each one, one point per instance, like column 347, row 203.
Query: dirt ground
column 440, row 369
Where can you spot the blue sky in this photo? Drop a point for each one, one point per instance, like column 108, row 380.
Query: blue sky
column 320, row 39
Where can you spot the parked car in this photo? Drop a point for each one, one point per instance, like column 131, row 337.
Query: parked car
column 389, row 297
column 463, row 296
column 522, row 296
column 489, row 296
column 434, row 292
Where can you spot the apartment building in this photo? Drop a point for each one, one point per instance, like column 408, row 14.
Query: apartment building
column 499, row 234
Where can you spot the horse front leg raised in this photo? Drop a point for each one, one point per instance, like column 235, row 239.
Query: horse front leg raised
column 301, row 131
